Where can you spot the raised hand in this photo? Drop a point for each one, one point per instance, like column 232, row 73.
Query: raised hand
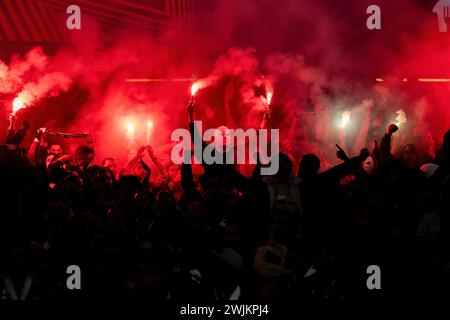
column 40, row 133
column 191, row 107
column 364, row 154
column 140, row 152
column 12, row 120
column 340, row 154
column 391, row 129
column 268, row 113
column 150, row 151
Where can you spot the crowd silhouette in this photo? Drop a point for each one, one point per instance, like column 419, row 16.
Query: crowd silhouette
column 186, row 233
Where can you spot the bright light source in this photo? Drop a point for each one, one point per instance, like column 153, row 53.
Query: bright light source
column 269, row 97
column 345, row 119
column 194, row 88
column 130, row 128
column 401, row 118
column 18, row 104
column 433, row 80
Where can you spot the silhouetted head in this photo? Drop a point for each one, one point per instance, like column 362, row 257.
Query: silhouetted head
column 49, row 159
column 285, row 168
column 410, row 156
column 446, row 146
column 106, row 178
column 55, row 148
column 370, row 163
column 309, row 166
column 129, row 186
column 84, row 155
column 165, row 200
column 172, row 170
column 110, row 163
column 139, row 170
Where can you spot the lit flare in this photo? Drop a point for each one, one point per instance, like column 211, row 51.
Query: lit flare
column 345, row 119
column 401, row 118
column 17, row 105
column 194, row 89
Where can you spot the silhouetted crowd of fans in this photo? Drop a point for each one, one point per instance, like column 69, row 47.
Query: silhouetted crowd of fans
column 214, row 234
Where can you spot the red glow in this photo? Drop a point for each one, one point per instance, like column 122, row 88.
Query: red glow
column 158, row 80
column 311, row 78
column 149, row 131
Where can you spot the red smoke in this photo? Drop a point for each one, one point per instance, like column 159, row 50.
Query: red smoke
column 317, row 56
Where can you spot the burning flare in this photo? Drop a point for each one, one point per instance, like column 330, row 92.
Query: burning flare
column 194, row 88
column 268, row 87
column 401, row 117
column 18, row 104
column 345, row 119
column 269, row 97
column 130, row 128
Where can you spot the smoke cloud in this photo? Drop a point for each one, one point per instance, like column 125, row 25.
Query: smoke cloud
column 316, row 57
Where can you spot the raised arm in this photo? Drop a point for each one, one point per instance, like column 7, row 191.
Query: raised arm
column 187, row 183
column 11, row 128
column 195, row 135
column 338, row 172
column 385, row 145
column 19, row 135
column 37, row 141
column 132, row 163
column 266, row 118
column 340, row 154
column 156, row 161
column 146, row 180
